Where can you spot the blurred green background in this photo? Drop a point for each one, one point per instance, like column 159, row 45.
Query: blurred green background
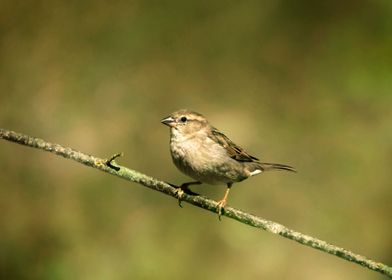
column 307, row 83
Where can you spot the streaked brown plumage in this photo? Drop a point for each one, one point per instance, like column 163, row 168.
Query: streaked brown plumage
column 207, row 155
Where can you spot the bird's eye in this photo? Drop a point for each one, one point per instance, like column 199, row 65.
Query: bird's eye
column 183, row 119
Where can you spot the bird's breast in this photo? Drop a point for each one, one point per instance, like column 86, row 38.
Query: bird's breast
column 202, row 159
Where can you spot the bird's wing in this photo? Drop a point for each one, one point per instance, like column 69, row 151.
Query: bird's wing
column 234, row 151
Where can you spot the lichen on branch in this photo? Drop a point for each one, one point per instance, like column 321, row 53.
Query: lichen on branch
column 109, row 166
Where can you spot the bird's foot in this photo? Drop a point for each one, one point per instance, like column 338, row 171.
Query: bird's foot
column 221, row 207
column 180, row 193
column 184, row 189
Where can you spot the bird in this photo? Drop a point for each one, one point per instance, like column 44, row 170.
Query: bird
column 207, row 155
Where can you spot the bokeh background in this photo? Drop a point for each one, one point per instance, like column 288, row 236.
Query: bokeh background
column 306, row 83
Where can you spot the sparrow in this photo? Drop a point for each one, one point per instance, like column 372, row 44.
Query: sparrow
column 205, row 154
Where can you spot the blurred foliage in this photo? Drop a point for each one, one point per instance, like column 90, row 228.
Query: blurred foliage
column 306, row 83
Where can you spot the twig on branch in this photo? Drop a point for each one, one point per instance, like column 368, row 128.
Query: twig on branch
column 111, row 167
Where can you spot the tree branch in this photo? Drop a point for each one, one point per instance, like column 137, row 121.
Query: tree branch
column 199, row 201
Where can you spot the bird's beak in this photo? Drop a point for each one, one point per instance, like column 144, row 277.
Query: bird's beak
column 169, row 121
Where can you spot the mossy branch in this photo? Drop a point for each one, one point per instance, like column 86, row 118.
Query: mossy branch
column 199, row 201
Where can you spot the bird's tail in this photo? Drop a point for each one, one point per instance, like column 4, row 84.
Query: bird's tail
column 264, row 166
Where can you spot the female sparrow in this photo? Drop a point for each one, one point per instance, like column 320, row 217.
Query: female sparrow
column 207, row 155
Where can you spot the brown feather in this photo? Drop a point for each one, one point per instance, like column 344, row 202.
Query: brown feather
column 233, row 150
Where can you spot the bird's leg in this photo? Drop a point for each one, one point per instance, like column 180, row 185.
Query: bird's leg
column 223, row 201
column 184, row 188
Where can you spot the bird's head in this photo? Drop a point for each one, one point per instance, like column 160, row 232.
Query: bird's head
column 185, row 122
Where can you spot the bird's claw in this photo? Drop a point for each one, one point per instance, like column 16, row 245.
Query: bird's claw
column 184, row 189
column 180, row 193
column 221, row 208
